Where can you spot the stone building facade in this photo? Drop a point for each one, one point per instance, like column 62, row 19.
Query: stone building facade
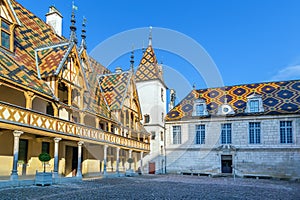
column 245, row 130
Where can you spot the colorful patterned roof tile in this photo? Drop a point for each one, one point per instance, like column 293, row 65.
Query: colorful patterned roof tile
column 148, row 68
column 48, row 59
column 278, row 98
column 20, row 67
column 19, row 74
column 94, row 99
column 115, row 87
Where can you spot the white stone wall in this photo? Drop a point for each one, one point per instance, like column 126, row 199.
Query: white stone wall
column 270, row 157
column 152, row 103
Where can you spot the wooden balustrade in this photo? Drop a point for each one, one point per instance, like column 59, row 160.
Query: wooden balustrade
column 19, row 116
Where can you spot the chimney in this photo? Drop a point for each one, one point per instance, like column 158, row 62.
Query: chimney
column 54, row 19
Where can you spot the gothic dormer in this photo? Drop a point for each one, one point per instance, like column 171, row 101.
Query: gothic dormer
column 8, row 22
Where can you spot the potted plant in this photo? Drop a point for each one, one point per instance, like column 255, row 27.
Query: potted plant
column 129, row 172
column 43, row 178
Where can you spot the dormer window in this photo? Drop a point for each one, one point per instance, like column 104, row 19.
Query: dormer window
column 5, row 34
column 254, row 104
column 200, row 108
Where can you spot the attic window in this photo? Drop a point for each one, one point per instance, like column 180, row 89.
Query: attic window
column 5, row 34
column 254, row 104
column 199, row 108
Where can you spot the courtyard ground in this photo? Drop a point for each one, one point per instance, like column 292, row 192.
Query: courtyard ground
column 160, row 187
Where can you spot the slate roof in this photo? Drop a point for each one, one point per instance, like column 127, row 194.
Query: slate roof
column 148, row 68
column 278, row 98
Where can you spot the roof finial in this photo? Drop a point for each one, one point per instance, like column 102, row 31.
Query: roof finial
column 83, row 34
column 150, row 36
column 73, row 37
column 143, row 48
column 132, row 60
column 194, row 86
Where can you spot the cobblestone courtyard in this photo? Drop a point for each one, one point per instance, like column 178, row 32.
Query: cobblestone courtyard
column 160, row 187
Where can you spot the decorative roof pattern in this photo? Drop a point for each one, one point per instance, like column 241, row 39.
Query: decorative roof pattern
column 94, row 98
column 148, row 68
column 49, row 59
column 20, row 67
column 278, row 98
column 21, row 75
column 114, row 87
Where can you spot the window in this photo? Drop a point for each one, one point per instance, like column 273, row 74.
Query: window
column 286, row 132
column 200, row 108
column 254, row 132
column 226, row 133
column 153, row 135
column 45, row 147
column 5, row 34
column 161, row 136
column 162, row 94
column 176, row 134
column 146, row 119
column 200, row 134
column 254, row 106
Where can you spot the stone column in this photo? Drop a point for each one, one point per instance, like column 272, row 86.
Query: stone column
column 56, row 142
column 118, row 161
column 130, row 156
column 79, row 174
column 141, row 162
column 14, row 172
column 105, row 159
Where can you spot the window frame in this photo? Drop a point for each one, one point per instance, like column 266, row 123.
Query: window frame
column 286, row 132
column 6, row 31
column 254, row 130
column 202, row 103
column 176, row 134
column 254, row 98
column 200, row 134
column 226, row 133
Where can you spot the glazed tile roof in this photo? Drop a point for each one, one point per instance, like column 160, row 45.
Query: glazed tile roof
column 278, row 98
column 49, row 58
column 40, row 53
column 148, row 68
column 94, row 99
column 115, row 87
column 20, row 67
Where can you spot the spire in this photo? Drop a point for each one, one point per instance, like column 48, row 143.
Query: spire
column 83, row 34
column 150, row 36
column 132, row 60
column 73, row 37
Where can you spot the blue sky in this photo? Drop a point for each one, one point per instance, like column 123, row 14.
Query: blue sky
column 249, row 41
